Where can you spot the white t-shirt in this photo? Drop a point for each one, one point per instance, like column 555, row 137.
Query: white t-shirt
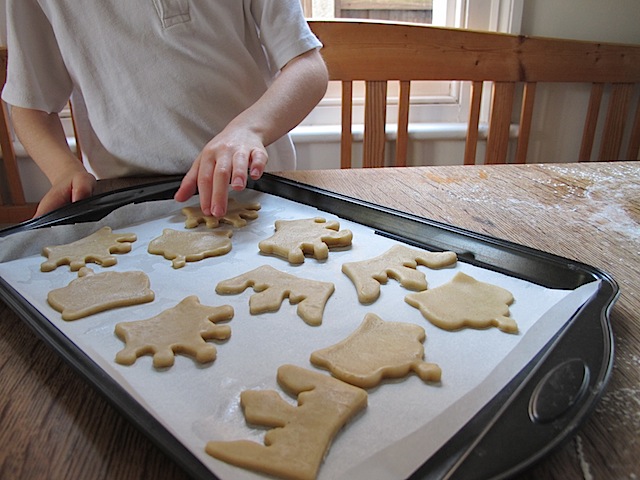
column 151, row 81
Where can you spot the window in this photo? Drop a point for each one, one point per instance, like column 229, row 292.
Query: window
column 418, row 11
column 432, row 102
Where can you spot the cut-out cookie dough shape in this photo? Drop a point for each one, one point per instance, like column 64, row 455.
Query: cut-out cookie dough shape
column 378, row 350
column 300, row 436
column 465, row 302
column 313, row 236
column 182, row 247
column 273, row 286
column 180, row 329
column 95, row 248
column 93, row 293
column 399, row 263
column 237, row 215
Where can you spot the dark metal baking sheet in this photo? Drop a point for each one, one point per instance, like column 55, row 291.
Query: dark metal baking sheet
column 539, row 409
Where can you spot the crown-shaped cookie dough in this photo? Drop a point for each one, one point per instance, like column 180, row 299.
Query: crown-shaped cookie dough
column 465, row 302
column 182, row 247
column 300, row 436
column 237, row 215
column 95, row 248
column 399, row 263
column 273, row 286
column 180, row 329
column 378, row 350
column 312, row 236
column 93, row 293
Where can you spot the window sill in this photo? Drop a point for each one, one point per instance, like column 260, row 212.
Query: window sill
column 305, row 134
column 417, row 131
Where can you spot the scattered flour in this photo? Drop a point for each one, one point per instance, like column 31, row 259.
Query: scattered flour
column 584, row 465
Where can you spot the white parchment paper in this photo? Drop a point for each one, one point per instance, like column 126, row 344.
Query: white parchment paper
column 406, row 420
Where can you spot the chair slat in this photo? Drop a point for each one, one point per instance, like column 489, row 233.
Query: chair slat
column 346, row 130
column 499, row 122
column 75, row 133
column 614, row 124
column 473, row 123
column 526, row 118
column 633, row 149
column 375, row 116
column 591, row 121
column 402, row 137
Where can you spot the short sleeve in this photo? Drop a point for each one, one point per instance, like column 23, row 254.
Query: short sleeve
column 36, row 74
column 283, row 30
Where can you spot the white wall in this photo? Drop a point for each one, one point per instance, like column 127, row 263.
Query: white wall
column 597, row 20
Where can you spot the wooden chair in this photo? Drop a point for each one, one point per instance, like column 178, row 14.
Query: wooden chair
column 377, row 53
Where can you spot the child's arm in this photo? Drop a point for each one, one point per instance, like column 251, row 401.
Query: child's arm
column 240, row 147
column 43, row 137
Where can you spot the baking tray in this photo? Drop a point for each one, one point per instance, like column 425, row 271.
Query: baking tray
column 539, row 409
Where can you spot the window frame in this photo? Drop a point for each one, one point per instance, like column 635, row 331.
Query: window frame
column 448, row 102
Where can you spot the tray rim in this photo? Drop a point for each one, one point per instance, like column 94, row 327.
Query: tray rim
column 451, row 458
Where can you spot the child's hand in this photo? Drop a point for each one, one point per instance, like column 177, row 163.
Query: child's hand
column 68, row 188
column 224, row 161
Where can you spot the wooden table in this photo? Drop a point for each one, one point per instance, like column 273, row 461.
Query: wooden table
column 55, row 426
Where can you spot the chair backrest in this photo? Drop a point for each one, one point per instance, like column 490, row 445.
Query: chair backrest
column 376, row 53
column 13, row 207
